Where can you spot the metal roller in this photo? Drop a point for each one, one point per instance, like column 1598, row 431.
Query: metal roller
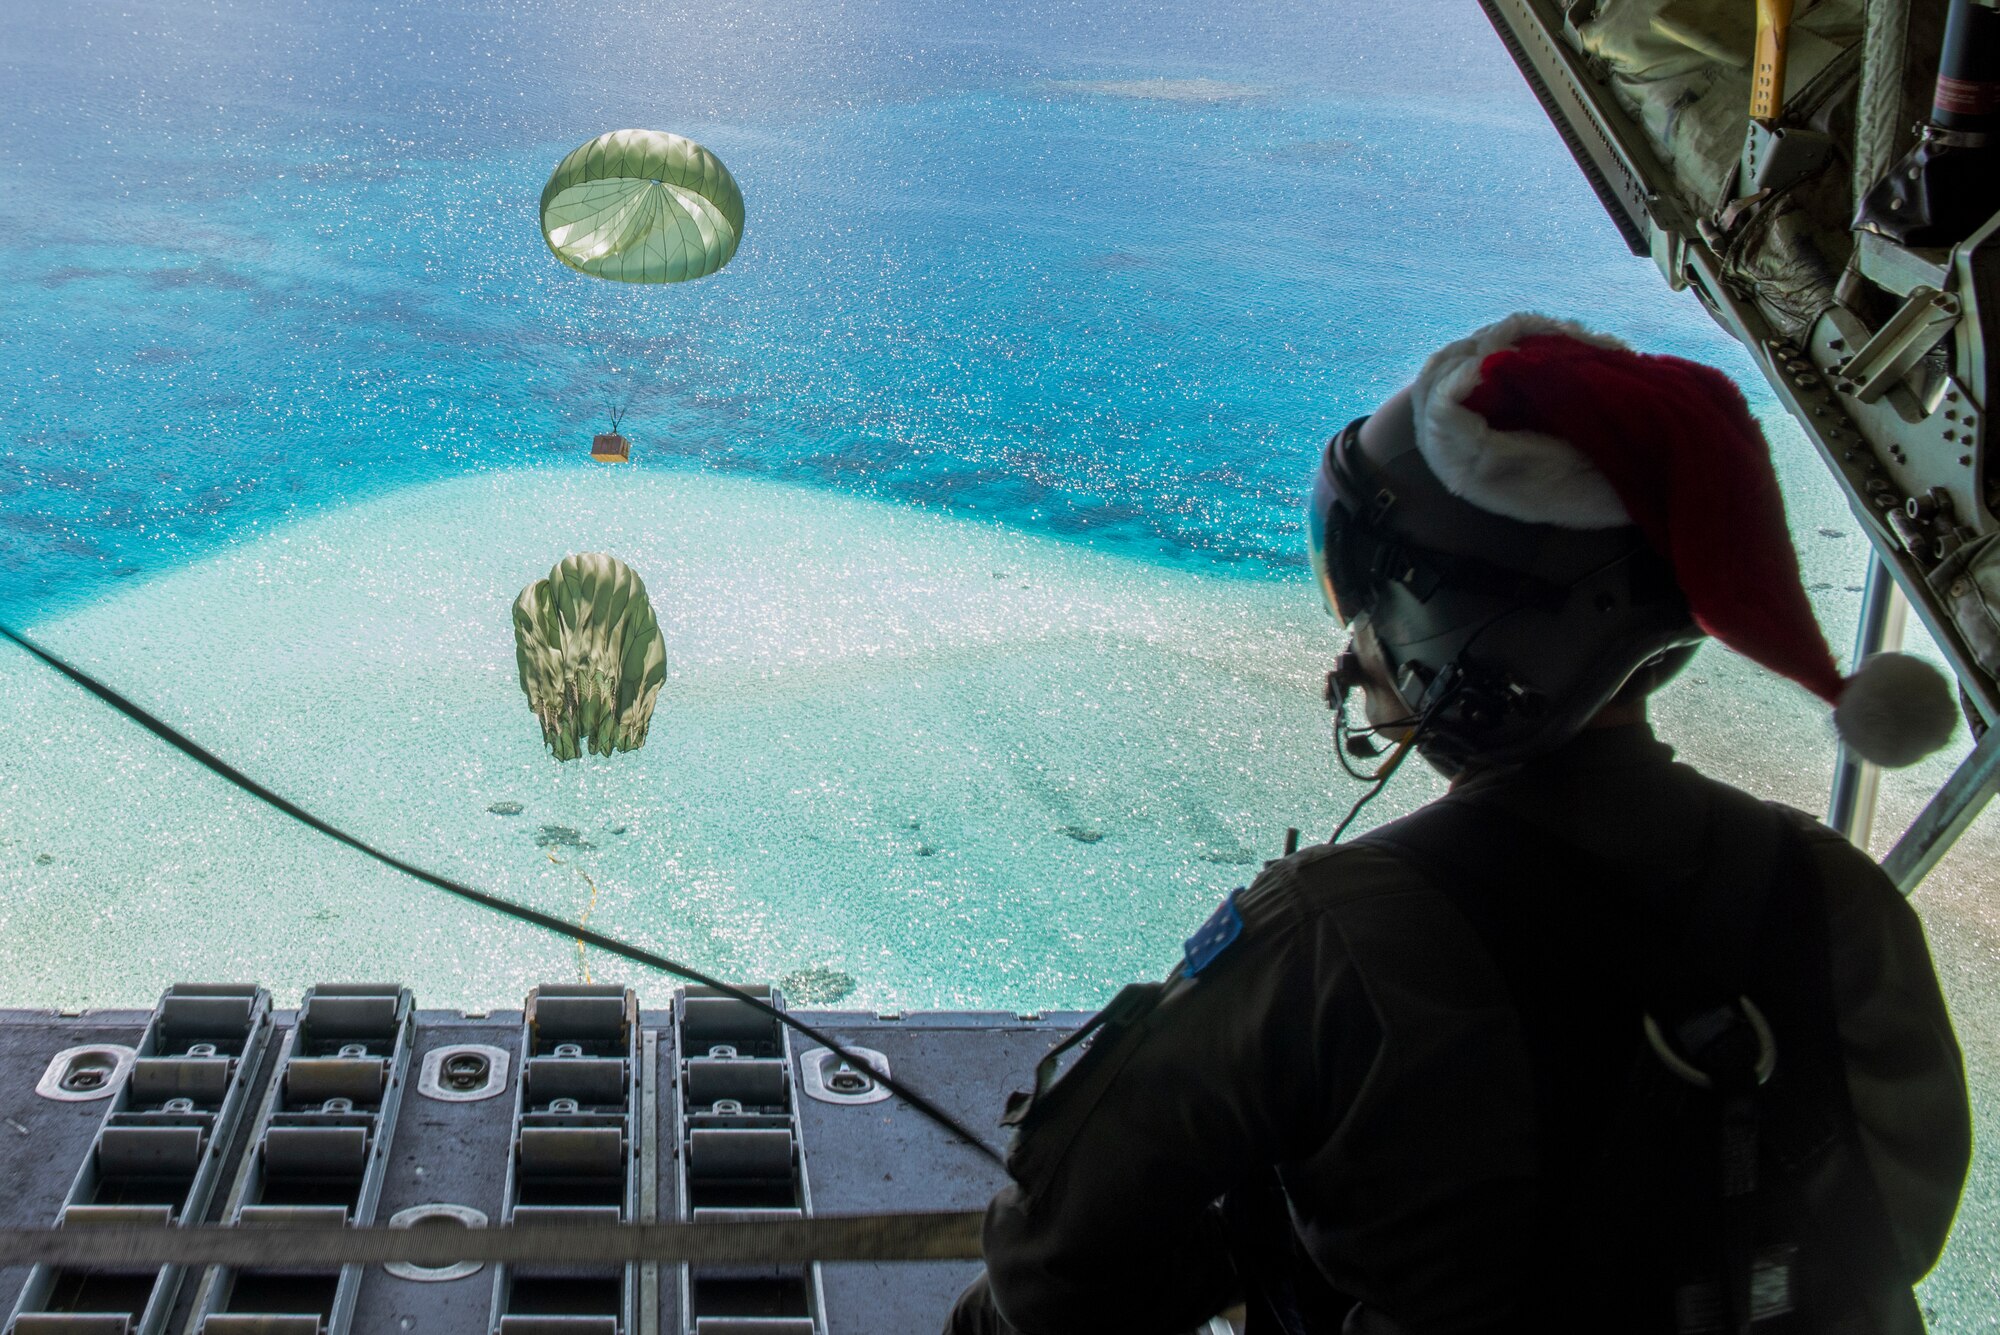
column 558, row 1325
column 149, row 1151
column 315, row 1151
column 573, row 1151
column 84, row 1216
column 599, row 1019
column 751, row 1081
column 331, row 1017
column 567, row 1214
column 730, row 1152
column 72, row 1323
column 310, row 1081
column 261, row 1323
column 203, row 1079
column 204, row 1015
column 588, row 1080
column 707, row 1021
column 292, row 1214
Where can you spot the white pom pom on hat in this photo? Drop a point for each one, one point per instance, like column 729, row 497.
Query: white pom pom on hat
column 1895, row 710
column 1546, row 422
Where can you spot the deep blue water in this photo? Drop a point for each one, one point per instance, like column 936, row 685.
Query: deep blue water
column 269, row 257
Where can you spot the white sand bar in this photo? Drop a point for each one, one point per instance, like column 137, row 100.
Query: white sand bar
column 964, row 766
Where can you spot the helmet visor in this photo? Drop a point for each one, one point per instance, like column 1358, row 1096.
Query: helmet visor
column 1329, row 524
column 1316, row 524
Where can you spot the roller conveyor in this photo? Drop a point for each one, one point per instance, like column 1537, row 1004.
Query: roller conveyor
column 717, row 1119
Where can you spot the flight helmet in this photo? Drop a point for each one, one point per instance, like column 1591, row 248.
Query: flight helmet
column 1545, row 513
column 1502, row 637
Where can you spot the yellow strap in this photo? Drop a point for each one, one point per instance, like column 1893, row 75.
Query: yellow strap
column 1767, row 81
column 924, row 1236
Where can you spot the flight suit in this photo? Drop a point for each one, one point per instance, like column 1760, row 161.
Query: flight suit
column 1346, row 1080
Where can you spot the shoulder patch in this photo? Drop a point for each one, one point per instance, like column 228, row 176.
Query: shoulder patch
column 1215, row 936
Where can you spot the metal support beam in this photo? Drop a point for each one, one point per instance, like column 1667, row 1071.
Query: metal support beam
column 1925, row 316
column 1951, row 811
column 1874, row 470
column 1884, row 612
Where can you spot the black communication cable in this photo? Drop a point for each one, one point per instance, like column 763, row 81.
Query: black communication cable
column 1422, row 721
column 520, row 912
column 1419, row 725
column 1381, row 781
column 1346, row 736
column 1347, row 739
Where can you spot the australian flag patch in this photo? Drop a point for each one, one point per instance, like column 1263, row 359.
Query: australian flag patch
column 1216, row 935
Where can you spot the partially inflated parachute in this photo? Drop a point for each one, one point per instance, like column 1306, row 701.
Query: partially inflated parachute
column 591, row 657
column 642, row 206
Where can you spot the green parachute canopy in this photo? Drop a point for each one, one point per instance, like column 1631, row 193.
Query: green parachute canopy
column 642, row 206
column 591, row 657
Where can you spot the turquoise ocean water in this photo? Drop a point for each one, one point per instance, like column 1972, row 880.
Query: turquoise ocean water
column 1105, row 275
column 969, row 492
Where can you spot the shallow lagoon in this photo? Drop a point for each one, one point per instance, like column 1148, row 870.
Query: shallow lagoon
column 969, row 491
column 936, row 760
column 963, row 765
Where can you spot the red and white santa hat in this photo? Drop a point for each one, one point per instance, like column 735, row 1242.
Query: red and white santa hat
column 1543, row 421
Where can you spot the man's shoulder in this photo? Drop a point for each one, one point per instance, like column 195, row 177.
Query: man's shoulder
column 1857, row 889
column 1330, row 878
column 1824, row 841
column 1315, row 907
column 1326, row 878
column 1863, row 905
column 1841, row 865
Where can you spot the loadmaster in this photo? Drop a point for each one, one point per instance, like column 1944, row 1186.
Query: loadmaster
column 1593, row 1042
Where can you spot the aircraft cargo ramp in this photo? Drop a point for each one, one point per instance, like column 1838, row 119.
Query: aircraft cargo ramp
column 359, row 1108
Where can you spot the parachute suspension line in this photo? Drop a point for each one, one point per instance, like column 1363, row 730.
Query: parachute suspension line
column 581, row 967
column 615, row 408
column 547, row 922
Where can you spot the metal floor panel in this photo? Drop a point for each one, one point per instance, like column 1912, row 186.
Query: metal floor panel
column 861, row 1157
column 883, row 1156
column 42, row 1141
column 450, row 1154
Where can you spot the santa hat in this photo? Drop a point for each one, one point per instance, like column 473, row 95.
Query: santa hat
column 1543, row 421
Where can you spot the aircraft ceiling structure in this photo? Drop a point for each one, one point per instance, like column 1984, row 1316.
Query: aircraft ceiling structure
column 1831, row 202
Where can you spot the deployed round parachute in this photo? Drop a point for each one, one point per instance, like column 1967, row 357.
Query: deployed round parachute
column 591, row 657
column 642, row 206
